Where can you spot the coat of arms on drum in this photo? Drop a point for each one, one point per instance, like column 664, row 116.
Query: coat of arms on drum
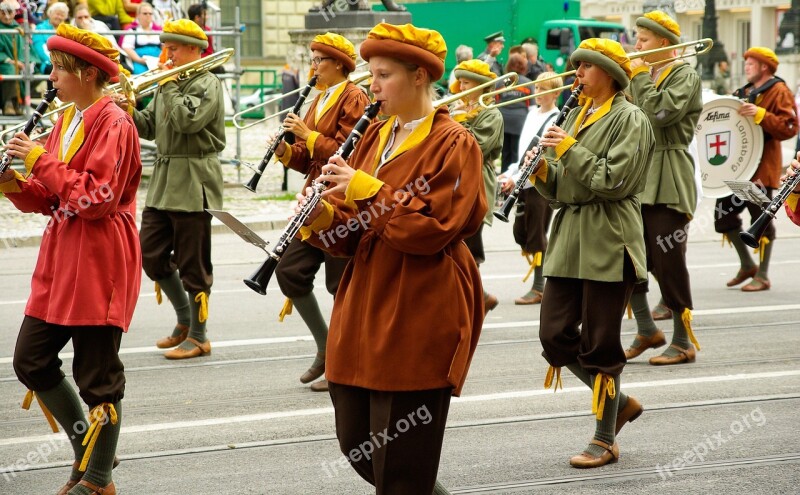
column 719, row 148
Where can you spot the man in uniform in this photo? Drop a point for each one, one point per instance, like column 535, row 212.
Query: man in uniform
column 494, row 45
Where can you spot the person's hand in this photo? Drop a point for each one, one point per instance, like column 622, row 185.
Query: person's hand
column 7, row 176
column 553, row 137
column 338, row 174
column 20, row 145
column 301, row 201
column 280, row 150
column 793, row 170
column 748, row 110
column 120, row 100
column 637, row 62
column 296, row 126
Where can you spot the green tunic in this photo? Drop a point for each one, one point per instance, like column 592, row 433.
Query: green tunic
column 593, row 186
column 673, row 107
column 187, row 121
column 487, row 127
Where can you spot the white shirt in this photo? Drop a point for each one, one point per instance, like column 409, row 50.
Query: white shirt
column 72, row 129
column 324, row 99
column 387, row 151
column 533, row 122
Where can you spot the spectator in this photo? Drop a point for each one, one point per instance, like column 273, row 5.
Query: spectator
column 199, row 14
column 494, row 45
column 83, row 19
column 515, row 113
column 56, row 14
column 723, row 79
column 143, row 48
column 535, row 66
column 463, row 53
column 10, row 47
column 111, row 12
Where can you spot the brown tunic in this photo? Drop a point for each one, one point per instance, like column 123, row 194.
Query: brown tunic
column 409, row 308
column 333, row 126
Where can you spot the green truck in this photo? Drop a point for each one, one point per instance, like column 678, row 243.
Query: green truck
column 555, row 25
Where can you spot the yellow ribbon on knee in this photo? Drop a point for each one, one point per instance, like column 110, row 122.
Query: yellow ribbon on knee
column 603, row 385
column 202, row 314
column 26, row 404
column 553, row 372
column 630, row 311
column 534, row 260
column 687, row 324
column 726, row 238
column 159, row 299
column 286, row 310
column 98, row 416
column 762, row 243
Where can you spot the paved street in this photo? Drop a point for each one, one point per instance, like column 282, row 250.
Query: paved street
column 239, row 420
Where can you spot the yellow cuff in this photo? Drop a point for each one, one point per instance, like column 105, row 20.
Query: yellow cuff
column 287, row 157
column 12, row 186
column 791, row 201
column 322, row 222
column 312, row 138
column 564, row 145
column 34, row 155
column 361, row 186
column 640, row 70
column 760, row 113
column 131, row 109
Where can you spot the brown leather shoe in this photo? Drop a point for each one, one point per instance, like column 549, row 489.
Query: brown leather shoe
column 199, row 349
column 742, row 275
column 757, row 284
column 168, row 342
column 490, row 301
column 652, row 342
column 75, row 465
column 628, row 414
column 585, row 460
column 661, row 312
column 109, row 489
column 684, row 356
column 320, row 386
column 532, row 297
column 314, row 372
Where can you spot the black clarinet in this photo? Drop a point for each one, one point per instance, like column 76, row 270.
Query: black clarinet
column 753, row 235
column 530, row 168
column 49, row 96
column 259, row 280
column 282, row 136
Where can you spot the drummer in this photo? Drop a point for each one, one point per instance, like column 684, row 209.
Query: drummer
column 771, row 105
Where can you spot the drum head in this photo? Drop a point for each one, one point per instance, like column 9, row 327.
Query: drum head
column 729, row 145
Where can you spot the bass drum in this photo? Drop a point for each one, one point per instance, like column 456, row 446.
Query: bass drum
column 729, row 145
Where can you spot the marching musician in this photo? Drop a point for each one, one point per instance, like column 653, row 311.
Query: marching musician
column 86, row 281
column 792, row 210
column 327, row 123
column 186, row 119
column 486, row 125
column 533, row 211
column 595, row 168
column 412, row 192
column 771, row 105
column 669, row 93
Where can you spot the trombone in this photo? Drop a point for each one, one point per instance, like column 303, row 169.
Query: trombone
column 355, row 78
column 510, row 79
column 701, row 47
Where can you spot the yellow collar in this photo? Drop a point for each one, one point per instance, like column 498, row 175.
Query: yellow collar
column 77, row 141
column 604, row 109
column 417, row 136
column 331, row 100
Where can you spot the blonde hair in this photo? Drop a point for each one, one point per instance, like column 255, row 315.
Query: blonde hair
column 75, row 65
column 554, row 83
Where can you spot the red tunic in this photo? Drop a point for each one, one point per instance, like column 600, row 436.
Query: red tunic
column 89, row 267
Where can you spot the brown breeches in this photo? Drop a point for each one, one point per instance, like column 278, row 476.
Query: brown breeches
column 727, row 214
column 300, row 264
column 532, row 221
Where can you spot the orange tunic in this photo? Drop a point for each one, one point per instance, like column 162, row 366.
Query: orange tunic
column 89, row 268
column 409, row 308
column 333, row 128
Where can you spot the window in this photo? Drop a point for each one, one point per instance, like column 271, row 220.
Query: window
column 250, row 15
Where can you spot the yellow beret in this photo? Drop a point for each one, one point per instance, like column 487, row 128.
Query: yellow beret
column 87, row 46
column 606, row 53
column 661, row 24
column 336, row 46
column 475, row 70
column 184, row 31
column 763, row 55
column 424, row 47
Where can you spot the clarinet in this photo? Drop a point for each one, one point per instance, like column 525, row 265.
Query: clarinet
column 49, row 96
column 259, row 280
column 752, row 235
column 532, row 167
column 282, row 136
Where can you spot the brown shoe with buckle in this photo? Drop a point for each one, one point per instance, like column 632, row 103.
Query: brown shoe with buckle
column 628, row 414
column 661, row 312
column 490, row 301
column 742, row 275
column 585, row 460
column 314, row 372
column 168, row 342
column 199, row 349
column 652, row 342
column 320, row 386
column 757, row 284
column 109, row 489
column 532, row 297
column 685, row 356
